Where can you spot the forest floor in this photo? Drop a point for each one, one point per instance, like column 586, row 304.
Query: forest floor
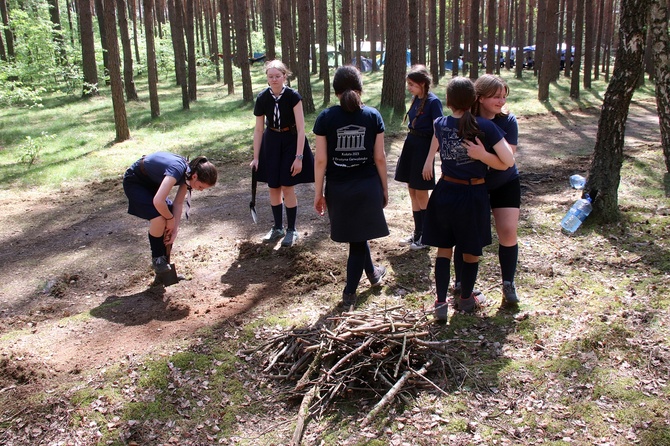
column 76, row 302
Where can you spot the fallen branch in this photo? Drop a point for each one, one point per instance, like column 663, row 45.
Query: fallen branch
column 303, row 413
column 392, row 393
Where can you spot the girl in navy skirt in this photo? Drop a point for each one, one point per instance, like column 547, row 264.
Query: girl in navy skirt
column 147, row 184
column 458, row 209
column 350, row 154
column 282, row 156
column 425, row 109
column 503, row 185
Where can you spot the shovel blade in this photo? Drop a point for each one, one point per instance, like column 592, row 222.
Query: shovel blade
column 254, row 216
column 169, row 277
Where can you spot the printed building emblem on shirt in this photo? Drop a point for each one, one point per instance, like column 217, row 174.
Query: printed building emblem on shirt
column 350, row 147
column 351, row 137
column 451, row 148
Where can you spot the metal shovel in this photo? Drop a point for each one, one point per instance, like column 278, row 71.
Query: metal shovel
column 169, row 277
column 252, row 204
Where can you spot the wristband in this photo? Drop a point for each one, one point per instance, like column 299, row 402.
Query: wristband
column 299, row 157
column 166, row 219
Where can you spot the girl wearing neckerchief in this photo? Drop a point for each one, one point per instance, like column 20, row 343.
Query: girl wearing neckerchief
column 425, row 109
column 282, row 157
column 148, row 183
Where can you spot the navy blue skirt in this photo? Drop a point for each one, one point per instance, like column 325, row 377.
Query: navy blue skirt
column 458, row 214
column 140, row 192
column 412, row 159
column 276, row 157
column 356, row 209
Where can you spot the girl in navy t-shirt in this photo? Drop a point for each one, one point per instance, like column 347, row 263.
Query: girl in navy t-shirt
column 458, row 209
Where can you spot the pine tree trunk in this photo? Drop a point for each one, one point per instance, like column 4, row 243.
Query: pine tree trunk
column 304, row 34
column 393, row 85
column 118, row 102
column 659, row 29
column 152, row 69
column 605, row 171
column 128, row 75
column 89, row 66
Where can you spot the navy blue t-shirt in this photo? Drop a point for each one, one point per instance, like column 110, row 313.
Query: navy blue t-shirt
column 455, row 160
column 432, row 109
column 265, row 106
column 496, row 178
column 161, row 164
column 351, row 140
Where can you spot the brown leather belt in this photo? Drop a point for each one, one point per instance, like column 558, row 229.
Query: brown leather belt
column 420, row 134
column 470, row 182
column 280, row 130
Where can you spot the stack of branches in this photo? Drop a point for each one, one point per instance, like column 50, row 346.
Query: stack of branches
column 387, row 353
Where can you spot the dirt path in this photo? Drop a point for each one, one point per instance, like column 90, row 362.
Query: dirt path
column 74, row 282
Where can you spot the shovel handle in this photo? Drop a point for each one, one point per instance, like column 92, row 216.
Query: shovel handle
column 168, row 251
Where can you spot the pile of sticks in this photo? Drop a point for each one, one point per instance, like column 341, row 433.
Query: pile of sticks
column 385, row 352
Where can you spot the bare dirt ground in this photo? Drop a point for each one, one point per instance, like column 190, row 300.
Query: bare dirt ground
column 75, row 290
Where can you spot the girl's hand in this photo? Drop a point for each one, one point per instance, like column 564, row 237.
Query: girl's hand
column 320, row 205
column 476, row 150
column 170, row 233
column 427, row 172
column 254, row 164
column 296, row 167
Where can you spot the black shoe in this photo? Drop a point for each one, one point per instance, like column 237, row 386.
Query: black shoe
column 348, row 300
column 160, row 264
column 377, row 277
column 510, row 297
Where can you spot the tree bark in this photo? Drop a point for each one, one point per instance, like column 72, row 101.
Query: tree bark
column 661, row 42
column 491, row 36
column 152, row 69
column 432, row 40
column 225, row 43
column 241, row 28
column 189, row 27
column 268, row 23
column 322, row 38
column 549, row 66
column 605, row 171
column 577, row 63
column 9, row 35
column 393, row 84
column 99, row 11
column 589, row 23
column 54, row 14
column 568, row 37
column 176, row 13
column 520, row 39
column 304, row 39
column 413, row 27
column 456, row 41
column 128, row 73
column 347, row 37
column 118, row 102
column 89, row 66
column 474, row 39
column 442, row 33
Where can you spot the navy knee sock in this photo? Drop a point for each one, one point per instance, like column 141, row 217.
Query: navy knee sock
column 355, row 265
column 277, row 214
column 291, row 215
column 468, row 278
column 442, row 277
column 508, row 256
column 418, row 223
column 157, row 246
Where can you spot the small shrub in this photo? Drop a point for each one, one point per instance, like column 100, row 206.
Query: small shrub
column 30, row 150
